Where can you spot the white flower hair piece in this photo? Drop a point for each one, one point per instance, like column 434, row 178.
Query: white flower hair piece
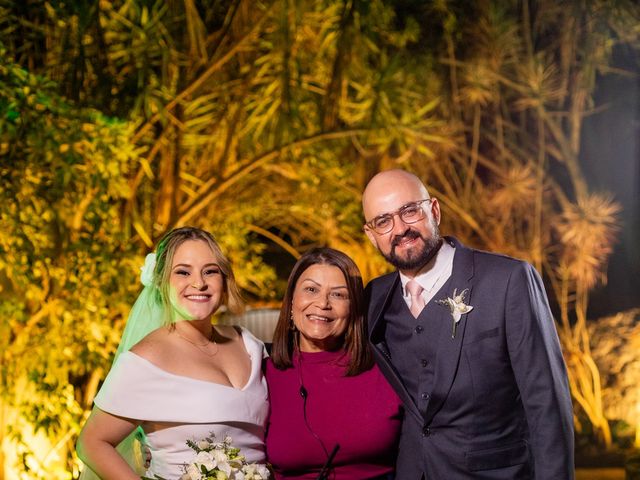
column 146, row 271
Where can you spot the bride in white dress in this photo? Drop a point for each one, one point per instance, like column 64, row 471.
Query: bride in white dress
column 175, row 375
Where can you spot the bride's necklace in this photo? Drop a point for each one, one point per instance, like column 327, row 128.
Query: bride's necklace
column 201, row 346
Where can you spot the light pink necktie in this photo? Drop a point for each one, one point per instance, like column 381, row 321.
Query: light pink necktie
column 417, row 302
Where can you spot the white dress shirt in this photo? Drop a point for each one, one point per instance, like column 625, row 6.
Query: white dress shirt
column 433, row 275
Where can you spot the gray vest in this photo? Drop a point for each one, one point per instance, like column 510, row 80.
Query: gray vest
column 413, row 343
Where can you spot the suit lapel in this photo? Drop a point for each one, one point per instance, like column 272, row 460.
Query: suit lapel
column 448, row 353
column 380, row 298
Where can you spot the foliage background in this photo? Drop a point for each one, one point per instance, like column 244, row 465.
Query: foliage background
column 262, row 121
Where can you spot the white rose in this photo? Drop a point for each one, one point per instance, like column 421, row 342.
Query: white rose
column 256, row 471
column 219, row 456
column 249, row 470
column 204, row 444
column 193, row 473
column 205, row 459
column 263, row 471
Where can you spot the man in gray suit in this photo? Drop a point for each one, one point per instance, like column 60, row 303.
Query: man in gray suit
column 468, row 341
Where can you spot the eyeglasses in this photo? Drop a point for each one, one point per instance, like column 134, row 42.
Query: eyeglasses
column 410, row 213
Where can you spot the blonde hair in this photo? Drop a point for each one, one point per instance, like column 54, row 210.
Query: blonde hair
column 165, row 252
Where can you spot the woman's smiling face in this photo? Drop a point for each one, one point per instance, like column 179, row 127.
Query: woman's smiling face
column 197, row 283
column 320, row 308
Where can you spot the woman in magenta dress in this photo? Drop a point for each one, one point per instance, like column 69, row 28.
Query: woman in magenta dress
column 332, row 413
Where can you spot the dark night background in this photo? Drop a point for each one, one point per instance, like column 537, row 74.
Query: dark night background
column 611, row 163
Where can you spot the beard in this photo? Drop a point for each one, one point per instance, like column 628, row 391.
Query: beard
column 415, row 259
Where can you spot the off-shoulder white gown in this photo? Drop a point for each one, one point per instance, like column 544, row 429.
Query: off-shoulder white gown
column 191, row 409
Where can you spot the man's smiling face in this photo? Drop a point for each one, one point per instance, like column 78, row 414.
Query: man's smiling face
column 407, row 246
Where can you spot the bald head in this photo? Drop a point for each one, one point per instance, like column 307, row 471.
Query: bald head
column 407, row 220
column 397, row 187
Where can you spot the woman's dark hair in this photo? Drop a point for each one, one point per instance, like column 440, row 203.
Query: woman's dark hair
column 355, row 341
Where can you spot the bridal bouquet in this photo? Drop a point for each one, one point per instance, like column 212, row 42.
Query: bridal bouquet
column 221, row 461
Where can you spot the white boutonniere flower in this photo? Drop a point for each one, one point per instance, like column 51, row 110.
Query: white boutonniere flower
column 457, row 307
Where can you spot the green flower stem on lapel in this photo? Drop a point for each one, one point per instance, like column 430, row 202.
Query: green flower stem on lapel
column 457, row 307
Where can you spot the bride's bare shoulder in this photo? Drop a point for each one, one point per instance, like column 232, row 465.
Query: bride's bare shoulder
column 153, row 345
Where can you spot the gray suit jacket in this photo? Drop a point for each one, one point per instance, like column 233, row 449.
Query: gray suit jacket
column 500, row 406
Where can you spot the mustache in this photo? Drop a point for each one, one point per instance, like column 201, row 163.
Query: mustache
column 409, row 234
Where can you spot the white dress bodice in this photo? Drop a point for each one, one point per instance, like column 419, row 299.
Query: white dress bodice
column 188, row 408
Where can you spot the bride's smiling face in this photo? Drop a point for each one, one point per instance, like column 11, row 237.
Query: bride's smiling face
column 196, row 281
